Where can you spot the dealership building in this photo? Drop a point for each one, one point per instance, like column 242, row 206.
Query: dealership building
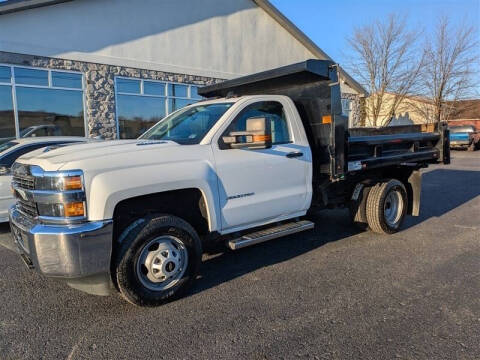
column 112, row 68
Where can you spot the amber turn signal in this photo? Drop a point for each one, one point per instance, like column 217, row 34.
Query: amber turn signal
column 327, row 119
column 257, row 138
column 72, row 183
column 74, row 209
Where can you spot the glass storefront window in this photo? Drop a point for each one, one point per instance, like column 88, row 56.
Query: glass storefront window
column 5, row 74
column 48, row 103
column 31, row 76
column 136, row 114
column 128, row 86
column 66, row 80
column 177, row 90
column 7, row 117
column 154, row 88
column 194, row 93
column 141, row 103
column 50, row 112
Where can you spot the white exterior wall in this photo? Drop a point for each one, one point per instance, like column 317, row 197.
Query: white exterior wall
column 215, row 38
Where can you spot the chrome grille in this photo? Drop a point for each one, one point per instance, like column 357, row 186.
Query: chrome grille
column 24, row 181
column 28, row 208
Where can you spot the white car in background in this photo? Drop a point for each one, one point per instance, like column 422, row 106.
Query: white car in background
column 10, row 151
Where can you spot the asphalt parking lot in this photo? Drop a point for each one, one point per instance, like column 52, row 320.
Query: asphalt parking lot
column 333, row 293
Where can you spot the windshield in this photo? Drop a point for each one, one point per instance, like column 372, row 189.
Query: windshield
column 7, row 145
column 26, row 131
column 187, row 126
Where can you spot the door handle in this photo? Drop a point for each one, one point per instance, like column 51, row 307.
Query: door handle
column 294, row 154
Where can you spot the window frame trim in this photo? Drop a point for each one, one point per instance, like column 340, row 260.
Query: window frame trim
column 49, row 71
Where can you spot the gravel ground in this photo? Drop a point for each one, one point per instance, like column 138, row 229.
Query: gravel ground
column 333, row 293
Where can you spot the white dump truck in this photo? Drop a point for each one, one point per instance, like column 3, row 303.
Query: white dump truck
column 243, row 167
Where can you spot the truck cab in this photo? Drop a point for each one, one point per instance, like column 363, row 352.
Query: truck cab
column 243, row 167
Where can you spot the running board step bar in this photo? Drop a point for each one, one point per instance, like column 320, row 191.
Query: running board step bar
column 270, row 233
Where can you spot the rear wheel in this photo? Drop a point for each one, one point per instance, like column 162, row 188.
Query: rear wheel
column 157, row 262
column 386, row 206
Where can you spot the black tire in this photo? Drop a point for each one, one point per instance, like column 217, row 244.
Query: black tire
column 127, row 258
column 358, row 209
column 383, row 218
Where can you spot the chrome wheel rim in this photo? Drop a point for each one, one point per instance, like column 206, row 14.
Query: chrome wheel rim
column 393, row 208
column 162, row 263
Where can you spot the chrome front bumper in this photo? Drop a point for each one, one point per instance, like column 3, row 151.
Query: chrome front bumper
column 63, row 251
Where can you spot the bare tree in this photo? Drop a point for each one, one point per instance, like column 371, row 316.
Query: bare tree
column 452, row 61
column 387, row 61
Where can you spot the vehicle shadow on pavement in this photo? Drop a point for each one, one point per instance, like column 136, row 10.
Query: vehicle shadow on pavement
column 444, row 190
column 5, row 238
column 227, row 265
column 4, row 228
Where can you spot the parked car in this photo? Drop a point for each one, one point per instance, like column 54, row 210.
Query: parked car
column 41, row 130
column 464, row 137
column 36, row 131
column 10, row 152
column 242, row 168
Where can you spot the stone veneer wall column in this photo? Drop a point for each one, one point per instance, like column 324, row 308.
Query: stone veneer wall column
column 100, row 85
column 358, row 108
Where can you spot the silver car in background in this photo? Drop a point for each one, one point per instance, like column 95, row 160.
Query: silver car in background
column 11, row 150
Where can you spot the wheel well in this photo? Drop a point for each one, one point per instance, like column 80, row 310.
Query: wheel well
column 187, row 204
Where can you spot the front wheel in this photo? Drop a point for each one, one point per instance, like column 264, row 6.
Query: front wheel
column 158, row 261
column 387, row 205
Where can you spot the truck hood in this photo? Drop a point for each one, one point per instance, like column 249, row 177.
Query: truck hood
column 85, row 155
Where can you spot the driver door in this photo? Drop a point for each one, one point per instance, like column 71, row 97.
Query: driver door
column 262, row 185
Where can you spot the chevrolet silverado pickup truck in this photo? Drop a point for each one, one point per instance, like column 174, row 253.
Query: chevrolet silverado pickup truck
column 242, row 167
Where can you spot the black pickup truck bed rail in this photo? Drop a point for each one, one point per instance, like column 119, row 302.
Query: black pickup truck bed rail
column 412, row 144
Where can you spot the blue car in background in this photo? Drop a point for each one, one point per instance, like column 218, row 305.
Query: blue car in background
column 464, row 137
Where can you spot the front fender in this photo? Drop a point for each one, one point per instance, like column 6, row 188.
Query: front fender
column 108, row 188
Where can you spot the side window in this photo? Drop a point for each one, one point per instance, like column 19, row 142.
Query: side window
column 272, row 110
column 40, row 132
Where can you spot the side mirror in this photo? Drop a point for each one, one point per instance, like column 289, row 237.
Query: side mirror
column 258, row 135
column 4, row 170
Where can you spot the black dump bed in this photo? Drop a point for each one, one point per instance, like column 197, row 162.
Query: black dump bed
column 314, row 87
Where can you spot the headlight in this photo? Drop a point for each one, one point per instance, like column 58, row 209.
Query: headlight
column 59, row 183
column 60, row 194
column 71, row 209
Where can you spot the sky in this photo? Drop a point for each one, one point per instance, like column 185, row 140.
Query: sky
column 329, row 22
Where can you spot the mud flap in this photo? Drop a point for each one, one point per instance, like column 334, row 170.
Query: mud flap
column 415, row 182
